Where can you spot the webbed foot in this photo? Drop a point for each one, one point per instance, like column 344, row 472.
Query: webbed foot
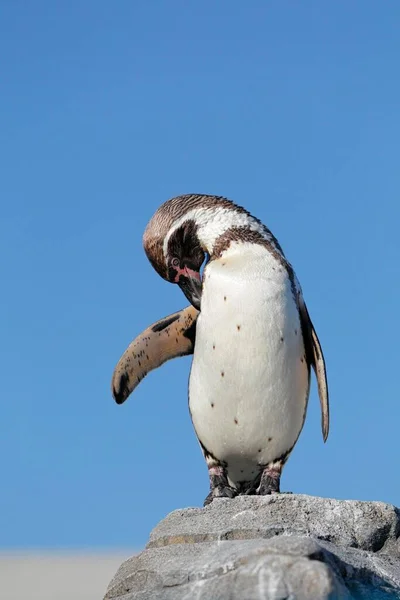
column 220, row 491
column 219, row 486
column 270, row 480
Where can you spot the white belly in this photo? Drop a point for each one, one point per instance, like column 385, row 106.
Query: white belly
column 249, row 380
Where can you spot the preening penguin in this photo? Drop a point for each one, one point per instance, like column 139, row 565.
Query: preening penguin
column 253, row 340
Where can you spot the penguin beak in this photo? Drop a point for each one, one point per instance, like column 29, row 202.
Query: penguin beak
column 190, row 284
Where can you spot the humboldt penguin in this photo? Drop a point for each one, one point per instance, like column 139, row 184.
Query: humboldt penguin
column 250, row 333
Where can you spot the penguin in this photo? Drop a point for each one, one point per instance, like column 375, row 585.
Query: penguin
column 250, row 333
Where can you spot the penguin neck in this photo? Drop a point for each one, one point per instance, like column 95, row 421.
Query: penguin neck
column 237, row 233
column 212, row 224
column 219, row 227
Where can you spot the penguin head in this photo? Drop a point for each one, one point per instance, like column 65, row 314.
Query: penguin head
column 173, row 248
column 184, row 230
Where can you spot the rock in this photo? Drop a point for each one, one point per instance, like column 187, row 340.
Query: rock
column 271, row 547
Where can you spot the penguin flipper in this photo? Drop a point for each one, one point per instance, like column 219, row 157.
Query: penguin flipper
column 168, row 338
column 315, row 357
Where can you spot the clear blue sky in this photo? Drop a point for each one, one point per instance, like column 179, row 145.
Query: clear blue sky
column 108, row 109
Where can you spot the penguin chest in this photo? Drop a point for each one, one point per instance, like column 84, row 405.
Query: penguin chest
column 249, row 380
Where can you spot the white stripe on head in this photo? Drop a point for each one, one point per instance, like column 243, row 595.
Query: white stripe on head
column 212, row 222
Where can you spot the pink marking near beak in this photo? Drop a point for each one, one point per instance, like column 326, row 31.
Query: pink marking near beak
column 192, row 274
column 186, row 272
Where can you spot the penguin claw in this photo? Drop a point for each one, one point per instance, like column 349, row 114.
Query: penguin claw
column 272, row 493
column 220, row 491
column 266, row 492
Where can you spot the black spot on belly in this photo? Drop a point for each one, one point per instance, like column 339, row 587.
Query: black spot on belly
column 222, row 374
column 225, row 298
column 238, row 327
column 259, row 449
column 212, row 404
column 281, row 339
column 270, row 439
column 236, row 421
column 213, row 346
column 163, row 324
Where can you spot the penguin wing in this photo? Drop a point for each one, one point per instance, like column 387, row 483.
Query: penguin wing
column 168, row 338
column 315, row 357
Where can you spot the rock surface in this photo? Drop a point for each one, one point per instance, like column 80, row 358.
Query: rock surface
column 273, row 547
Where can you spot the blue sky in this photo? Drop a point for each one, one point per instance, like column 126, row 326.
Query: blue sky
column 109, row 109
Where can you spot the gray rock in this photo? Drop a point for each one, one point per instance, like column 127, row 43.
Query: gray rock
column 273, row 547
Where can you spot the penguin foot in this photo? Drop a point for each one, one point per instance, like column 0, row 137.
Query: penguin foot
column 220, row 492
column 219, row 486
column 270, row 480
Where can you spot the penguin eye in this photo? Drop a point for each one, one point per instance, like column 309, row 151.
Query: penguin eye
column 175, row 262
